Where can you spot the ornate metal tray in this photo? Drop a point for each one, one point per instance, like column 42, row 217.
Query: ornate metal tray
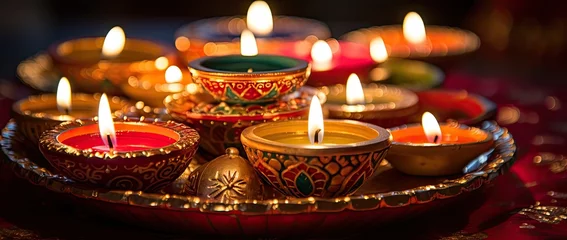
column 387, row 196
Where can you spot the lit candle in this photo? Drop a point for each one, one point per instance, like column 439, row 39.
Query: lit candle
column 38, row 113
column 129, row 154
column 383, row 105
column 249, row 77
column 215, row 36
column 96, row 64
column 431, row 149
column 414, row 40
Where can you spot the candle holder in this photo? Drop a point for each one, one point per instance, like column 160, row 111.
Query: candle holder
column 37, row 114
column 457, row 105
column 441, row 41
column 80, row 60
column 298, row 168
column 219, row 36
column 149, row 89
column 386, row 105
column 246, row 80
column 431, row 159
column 220, row 124
column 410, row 74
column 149, row 154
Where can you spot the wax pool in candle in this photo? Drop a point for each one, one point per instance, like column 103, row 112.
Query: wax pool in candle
column 449, row 135
column 302, row 138
column 259, row 63
column 90, row 50
column 126, row 141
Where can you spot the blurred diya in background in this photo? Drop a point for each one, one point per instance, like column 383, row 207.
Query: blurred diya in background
column 219, row 36
column 430, row 149
column 220, row 124
column 249, row 77
column 101, row 64
column 152, row 88
column 415, row 40
column 383, row 105
column 39, row 113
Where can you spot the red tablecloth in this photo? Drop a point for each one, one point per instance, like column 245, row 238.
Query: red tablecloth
column 529, row 202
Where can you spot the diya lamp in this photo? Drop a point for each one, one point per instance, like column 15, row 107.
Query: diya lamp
column 332, row 61
column 130, row 154
column 101, row 64
column 219, row 36
column 152, row 88
column 415, row 40
column 318, row 158
column 38, row 113
column 431, row 149
column 411, row 74
column 383, row 105
column 249, row 78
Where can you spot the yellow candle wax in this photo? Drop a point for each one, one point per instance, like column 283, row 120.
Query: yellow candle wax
column 330, row 138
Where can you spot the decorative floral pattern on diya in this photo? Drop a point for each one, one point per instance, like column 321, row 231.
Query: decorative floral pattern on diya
column 220, row 124
column 148, row 169
column 243, row 79
column 318, row 176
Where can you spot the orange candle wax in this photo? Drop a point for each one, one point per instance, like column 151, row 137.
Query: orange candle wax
column 450, row 135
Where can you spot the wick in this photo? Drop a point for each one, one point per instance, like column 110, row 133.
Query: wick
column 435, row 138
column 316, row 137
column 109, row 142
column 66, row 111
column 250, row 70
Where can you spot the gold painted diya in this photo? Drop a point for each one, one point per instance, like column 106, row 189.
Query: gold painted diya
column 249, row 79
column 385, row 105
column 282, row 154
column 37, row 114
column 221, row 124
column 410, row 155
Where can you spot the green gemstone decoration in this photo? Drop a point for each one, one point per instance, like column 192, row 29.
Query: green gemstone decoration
column 304, row 184
column 231, row 95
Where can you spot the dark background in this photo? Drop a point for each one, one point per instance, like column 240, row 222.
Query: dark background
column 525, row 33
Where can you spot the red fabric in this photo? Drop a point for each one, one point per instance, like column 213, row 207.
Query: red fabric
column 493, row 213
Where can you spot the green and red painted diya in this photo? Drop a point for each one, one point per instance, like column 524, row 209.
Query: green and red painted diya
column 240, row 79
column 220, row 124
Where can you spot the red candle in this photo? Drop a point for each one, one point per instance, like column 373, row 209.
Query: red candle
column 126, row 141
column 332, row 61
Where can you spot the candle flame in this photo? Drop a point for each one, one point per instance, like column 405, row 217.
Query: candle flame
column 315, row 124
column 248, row 45
column 322, row 55
column 354, row 92
column 105, row 123
column 161, row 63
column 431, row 128
column 113, row 42
column 64, row 96
column 378, row 50
column 259, row 18
column 414, row 29
column 173, row 74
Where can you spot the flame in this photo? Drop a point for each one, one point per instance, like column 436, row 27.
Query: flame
column 354, row 92
column 105, row 123
column 378, row 50
column 322, row 55
column 248, row 44
column 173, row 74
column 161, row 63
column 64, row 96
column 315, row 121
column 259, row 18
column 113, row 42
column 414, row 29
column 431, row 128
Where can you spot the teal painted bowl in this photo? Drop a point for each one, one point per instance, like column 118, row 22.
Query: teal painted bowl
column 249, row 79
column 348, row 155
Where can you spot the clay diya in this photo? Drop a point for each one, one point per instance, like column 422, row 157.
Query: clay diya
column 221, row 124
column 101, row 64
column 219, row 36
column 249, row 78
column 431, row 149
column 38, row 113
column 129, row 154
column 383, row 105
column 315, row 158
column 415, row 40
column 456, row 105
